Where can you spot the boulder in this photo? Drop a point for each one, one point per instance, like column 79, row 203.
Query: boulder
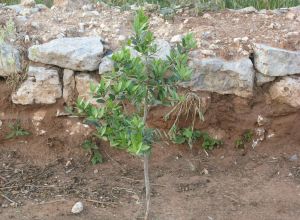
column 272, row 61
column 69, row 86
column 79, row 53
column 83, row 82
column 10, row 60
column 287, row 91
column 42, row 86
column 221, row 76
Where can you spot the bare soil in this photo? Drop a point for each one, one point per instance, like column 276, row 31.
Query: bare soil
column 42, row 176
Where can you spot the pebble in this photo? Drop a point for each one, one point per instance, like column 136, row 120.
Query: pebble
column 290, row 16
column 207, row 16
column 293, row 157
column 176, row 39
column 77, row 208
column 0, row 124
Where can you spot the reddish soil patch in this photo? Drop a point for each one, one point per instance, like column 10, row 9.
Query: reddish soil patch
column 260, row 183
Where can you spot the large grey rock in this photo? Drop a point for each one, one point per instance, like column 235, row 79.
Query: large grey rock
column 272, row 61
column 42, row 86
column 69, row 86
column 80, row 53
column 223, row 77
column 287, row 91
column 10, row 60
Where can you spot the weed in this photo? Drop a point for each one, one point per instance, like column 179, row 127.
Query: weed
column 246, row 137
column 93, row 149
column 16, row 131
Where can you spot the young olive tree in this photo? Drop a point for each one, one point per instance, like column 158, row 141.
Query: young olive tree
column 140, row 81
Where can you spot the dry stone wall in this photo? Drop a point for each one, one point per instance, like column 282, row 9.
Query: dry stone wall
column 64, row 67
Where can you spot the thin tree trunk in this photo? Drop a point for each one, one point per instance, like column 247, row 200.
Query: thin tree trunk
column 147, row 185
column 146, row 165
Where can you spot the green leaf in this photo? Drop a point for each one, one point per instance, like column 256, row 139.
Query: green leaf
column 96, row 158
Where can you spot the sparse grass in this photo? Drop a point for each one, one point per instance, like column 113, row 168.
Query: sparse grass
column 16, row 131
column 235, row 4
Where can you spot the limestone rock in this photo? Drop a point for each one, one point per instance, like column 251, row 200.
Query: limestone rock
column 247, row 10
column 287, row 91
column 163, row 49
column 262, row 79
column 42, row 86
column 272, row 61
column 10, row 60
column 79, row 53
column 83, row 82
column 223, row 77
column 69, row 86
column 106, row 65
column 28, row 3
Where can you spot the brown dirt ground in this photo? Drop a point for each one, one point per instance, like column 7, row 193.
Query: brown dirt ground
column 260, row 183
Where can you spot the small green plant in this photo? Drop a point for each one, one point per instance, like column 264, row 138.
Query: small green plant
column 244, row 139
column 189, row 135
column 140, row 81
column 16, row 131
column 93, row 149
column 184, row 135
column 209, row 143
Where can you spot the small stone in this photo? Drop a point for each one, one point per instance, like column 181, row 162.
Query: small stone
column 0, row 124
column 208, row 52
column 290, row 16
column 262, row 120
column 77, row 208
column 96, row 171
column 121, row 38
column 207, row 16
column 204, row 171
column 245, row 39
column 28, row 3
column 237, row 40
column 39, row 115
column 293, row 157
column 247, row 10
column 177, row 38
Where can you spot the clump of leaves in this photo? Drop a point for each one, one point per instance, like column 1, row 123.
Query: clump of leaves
column 246, row 137
column 140, row 81
column 16, row 131
column 93, row 149
column 189, row 135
